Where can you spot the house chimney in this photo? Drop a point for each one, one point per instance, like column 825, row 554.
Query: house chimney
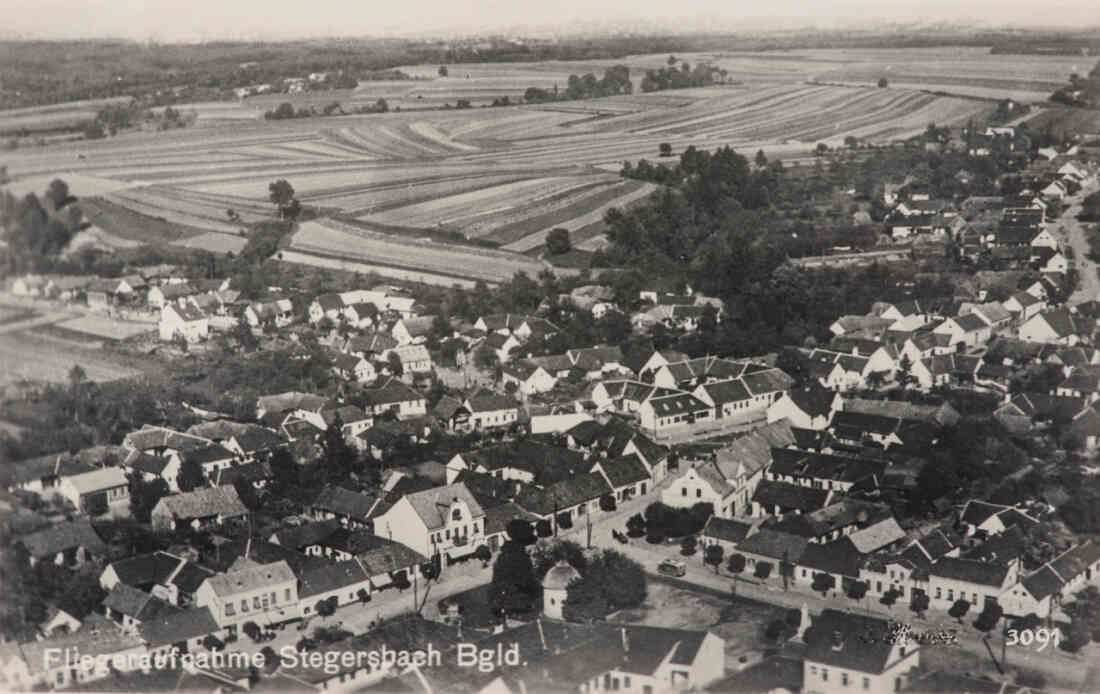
column 626, row 641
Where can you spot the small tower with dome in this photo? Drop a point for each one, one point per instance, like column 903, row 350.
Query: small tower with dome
column 554, row 586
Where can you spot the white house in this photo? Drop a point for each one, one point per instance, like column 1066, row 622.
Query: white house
column 530, row 379
column 353, row 368
column 261, row 593
column 1055, row 327
column 187, row 321
column 809, row 407
column 667, row 413
column 438, row 521
column 489, row 410
column 280, row 311
column 847, row 652
column 329, row 306
column 108, row 484
column 415, row 359
column 1023, row 306
column 971, row 330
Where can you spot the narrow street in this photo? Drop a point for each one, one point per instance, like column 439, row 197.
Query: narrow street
column 1074, row 233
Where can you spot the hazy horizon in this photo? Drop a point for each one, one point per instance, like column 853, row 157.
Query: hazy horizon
column 204, row 20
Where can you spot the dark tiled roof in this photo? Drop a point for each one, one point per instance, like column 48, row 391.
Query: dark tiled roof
column 329, row 577
column 62, row 537
column 852, row 642
column 344, row 502
column 562, row 495
column 177, row 626
column 1042, row 583
column 625, row 470
column 970, row 570
column 789, row 496
column 837, row 557
column 726, row 529
column 775, row 544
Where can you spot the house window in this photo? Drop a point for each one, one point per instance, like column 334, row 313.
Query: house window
column 256, row 602
column 286, row 595
column 866, row 682
column 824, row 675
column 229, row 612
column 950, row 594
column 683, row 491
column 938, row 595
column 698, row 493
column 844, row 678
column 456, row 514
column 244, row 606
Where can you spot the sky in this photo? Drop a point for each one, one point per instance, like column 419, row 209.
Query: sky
column 199, row 20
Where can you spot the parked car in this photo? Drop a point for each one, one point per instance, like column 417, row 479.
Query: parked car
column 671, row 567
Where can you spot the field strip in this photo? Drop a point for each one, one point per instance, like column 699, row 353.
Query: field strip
column 539, row 237
column 426, row 129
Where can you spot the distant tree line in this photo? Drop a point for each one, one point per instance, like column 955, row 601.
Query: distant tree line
column 672, row 77
column 616, row 80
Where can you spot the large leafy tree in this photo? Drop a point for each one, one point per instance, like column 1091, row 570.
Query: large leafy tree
column 190, row 476
column 513, row 589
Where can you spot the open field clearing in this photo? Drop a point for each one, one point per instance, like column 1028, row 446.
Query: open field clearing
column 94, row 237
column 505, row 175
column 107, row 328
column 214, row 242
column 334, row 239
column 53, row 359
column 1074, row 120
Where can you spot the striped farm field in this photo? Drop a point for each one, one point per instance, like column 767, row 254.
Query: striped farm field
column 334, row 239
column 503, row 175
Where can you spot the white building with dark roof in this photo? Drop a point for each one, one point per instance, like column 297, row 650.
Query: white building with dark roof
column 261, row 593
column 440, row 520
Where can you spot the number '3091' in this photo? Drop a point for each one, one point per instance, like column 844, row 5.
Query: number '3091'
column 1026, row 637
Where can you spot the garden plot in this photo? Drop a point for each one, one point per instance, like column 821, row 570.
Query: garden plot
column 536, row 229
column 79, row 184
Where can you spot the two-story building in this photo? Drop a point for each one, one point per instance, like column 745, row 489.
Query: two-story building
column 261, row 593
column 847, row 652
column 444, row 521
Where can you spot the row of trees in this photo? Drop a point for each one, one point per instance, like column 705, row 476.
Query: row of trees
column 703, row 75
column 286, row 111
column 616, row 80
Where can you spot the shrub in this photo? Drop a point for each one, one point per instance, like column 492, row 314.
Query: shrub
column 483, row 553
column 655, row 539
column 251, row 630
column 857, row 589
column 401, row 580
column 919, row 602
column 793, row 618
column 607, row 502
column 736, row 563
column 989, row 617
column 824, row 582
column 212, row 643
column 959, row 609
column 635, row 525
column 775, row 630
column 363, row 595
column 687, row 546
column 890, row 597
column 543, row 528
column 763, row 569
column 271, row 659
column 713, row 556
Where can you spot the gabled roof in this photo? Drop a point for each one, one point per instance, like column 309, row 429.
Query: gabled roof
column 1043, row 582
column 877, row 536
column 131, row 602
column 293, row 400
column 562, row 495
column 150, row 437
column 679, row 403
column 489, row 401
column 203, row 503
column 326, row 578
column 789, row 496
column 726, row 529
column 971, row 571
column 249, row 579
column 344, row 502
column 180, row 625
column 813, row 399
column 977, row 511
column 836, row 557
column 774, row 544
column 329, row 302
column 146, row 569
column 208, row 454
column 392, row 392
column 624, row 470
column 376, row 342
column 432, row 505
column 63, row 537
column 849, row 641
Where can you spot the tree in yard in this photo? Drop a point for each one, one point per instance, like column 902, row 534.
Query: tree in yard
column 520, row 532
column 191, row 476
column 687, row 546
column 761, row 158
column 919, row 602
column 883, row 83
column 635, row 526
column 543, row 528
column 145, row 495
column 824, row 582
column 292, row 210
column 851, row 141
column 363, row 595
column 77, row 376
column 484, row 554
column 244, row 337
column 326, row 607
column 607, row 502
column 339, row 456
column 513, row 588
column 821, row 149
column 989, row 617
column 251, row 630
column 959, row 609
column 212, row 643
column 890, row 597
column 584, row 601
column 558, row 242
column 763, row 569
column 857, row 589
column 665, row 149
column 736, row 563
column 713, row 556
column 443, row 71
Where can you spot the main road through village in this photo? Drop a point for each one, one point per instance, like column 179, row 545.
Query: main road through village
column 1064, row 672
